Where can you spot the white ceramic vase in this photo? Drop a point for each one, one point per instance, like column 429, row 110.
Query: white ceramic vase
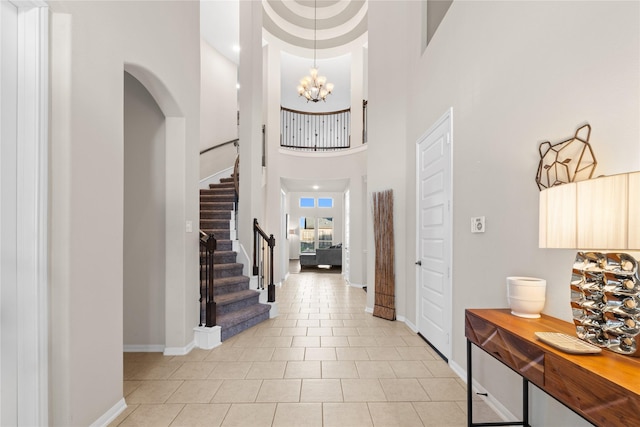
column 526, row 296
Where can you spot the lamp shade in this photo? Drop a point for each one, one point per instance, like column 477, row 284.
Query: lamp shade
column 634, row 211
column 558, row 217
column 600, row 213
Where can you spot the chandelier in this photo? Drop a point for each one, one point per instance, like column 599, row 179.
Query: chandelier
column 314, row 87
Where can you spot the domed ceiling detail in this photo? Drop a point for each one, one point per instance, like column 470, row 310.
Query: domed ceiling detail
column 339, row 22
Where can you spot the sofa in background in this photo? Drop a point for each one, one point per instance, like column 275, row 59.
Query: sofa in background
column 326, row 256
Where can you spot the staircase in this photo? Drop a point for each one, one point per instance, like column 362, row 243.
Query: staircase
column 237, row 306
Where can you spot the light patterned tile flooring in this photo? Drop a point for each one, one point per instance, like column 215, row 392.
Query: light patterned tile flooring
column 322, row 362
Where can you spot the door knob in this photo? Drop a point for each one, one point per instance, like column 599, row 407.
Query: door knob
column 418, row 262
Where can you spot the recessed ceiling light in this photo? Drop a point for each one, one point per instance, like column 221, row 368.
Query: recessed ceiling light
column 315, row 187
column 236, row 48
column 237, row 85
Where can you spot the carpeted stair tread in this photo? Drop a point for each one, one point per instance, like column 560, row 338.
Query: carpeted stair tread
column 228, row 266
column 217, row 190
column 237, row 321
column 217, row 233
column 222, row 187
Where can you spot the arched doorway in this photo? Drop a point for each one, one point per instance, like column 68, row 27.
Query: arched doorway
column 144, row 239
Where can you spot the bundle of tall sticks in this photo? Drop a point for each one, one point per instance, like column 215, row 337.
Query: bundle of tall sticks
column 385, row 287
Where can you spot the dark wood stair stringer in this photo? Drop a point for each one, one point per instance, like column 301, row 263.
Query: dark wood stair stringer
column 238, row 307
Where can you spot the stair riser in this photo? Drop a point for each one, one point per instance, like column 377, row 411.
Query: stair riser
column 220, row 258
column 217, row 198
column 224, row 245
column 216, row 206
column 219, row 215
column 237, row 305
column 219, row 224
column 227, row 289
column 227, row 272
column 225, row 258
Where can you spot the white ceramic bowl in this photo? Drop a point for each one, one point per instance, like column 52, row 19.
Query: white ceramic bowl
column 526, row 296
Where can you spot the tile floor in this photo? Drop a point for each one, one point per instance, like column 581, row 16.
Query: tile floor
column 322, row 362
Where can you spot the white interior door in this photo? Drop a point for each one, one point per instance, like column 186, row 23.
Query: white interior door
column 434, row 235
column 347, row 232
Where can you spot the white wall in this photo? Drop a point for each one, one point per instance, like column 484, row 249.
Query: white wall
column 92, row 43
column 387, row 117
column 144, row 219
column 218, row 110
column 516, row 74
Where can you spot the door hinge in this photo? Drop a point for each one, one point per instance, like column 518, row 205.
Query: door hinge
column 448, row 272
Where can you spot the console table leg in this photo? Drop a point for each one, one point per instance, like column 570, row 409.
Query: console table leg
column 469, row 387
column 525, row 402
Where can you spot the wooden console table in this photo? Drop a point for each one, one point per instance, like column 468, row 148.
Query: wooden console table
column 602, row 388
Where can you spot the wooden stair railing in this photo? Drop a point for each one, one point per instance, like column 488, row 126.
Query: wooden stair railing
column 259, row 266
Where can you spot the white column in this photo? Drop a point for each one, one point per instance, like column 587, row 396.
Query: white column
column 357, row 95
column 24, row 344
column 250, row 133
column 273, row 207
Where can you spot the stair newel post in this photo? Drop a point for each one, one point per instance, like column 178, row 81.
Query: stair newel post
column 271, row 289
column 211, row 304
column 255, row 247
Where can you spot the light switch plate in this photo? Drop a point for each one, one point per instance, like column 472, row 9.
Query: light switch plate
column 477, row 224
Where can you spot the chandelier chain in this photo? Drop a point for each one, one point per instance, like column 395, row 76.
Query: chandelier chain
column 314, row 87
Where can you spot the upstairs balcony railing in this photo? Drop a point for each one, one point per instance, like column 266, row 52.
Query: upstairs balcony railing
column 315, row 131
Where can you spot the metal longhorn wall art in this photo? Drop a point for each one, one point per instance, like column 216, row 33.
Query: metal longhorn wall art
column 567, row 161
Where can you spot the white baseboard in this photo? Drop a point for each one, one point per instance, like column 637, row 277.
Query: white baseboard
column 408, row 323
column 153, row 348
column 179, row 351
column 111, row 414
column 494, row 404
column 368, row 310
column 355, row 285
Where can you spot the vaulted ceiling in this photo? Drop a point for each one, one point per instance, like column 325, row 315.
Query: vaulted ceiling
column 338, row 22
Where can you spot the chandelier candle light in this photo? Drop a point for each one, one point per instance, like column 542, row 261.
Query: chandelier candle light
column 313, row 87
